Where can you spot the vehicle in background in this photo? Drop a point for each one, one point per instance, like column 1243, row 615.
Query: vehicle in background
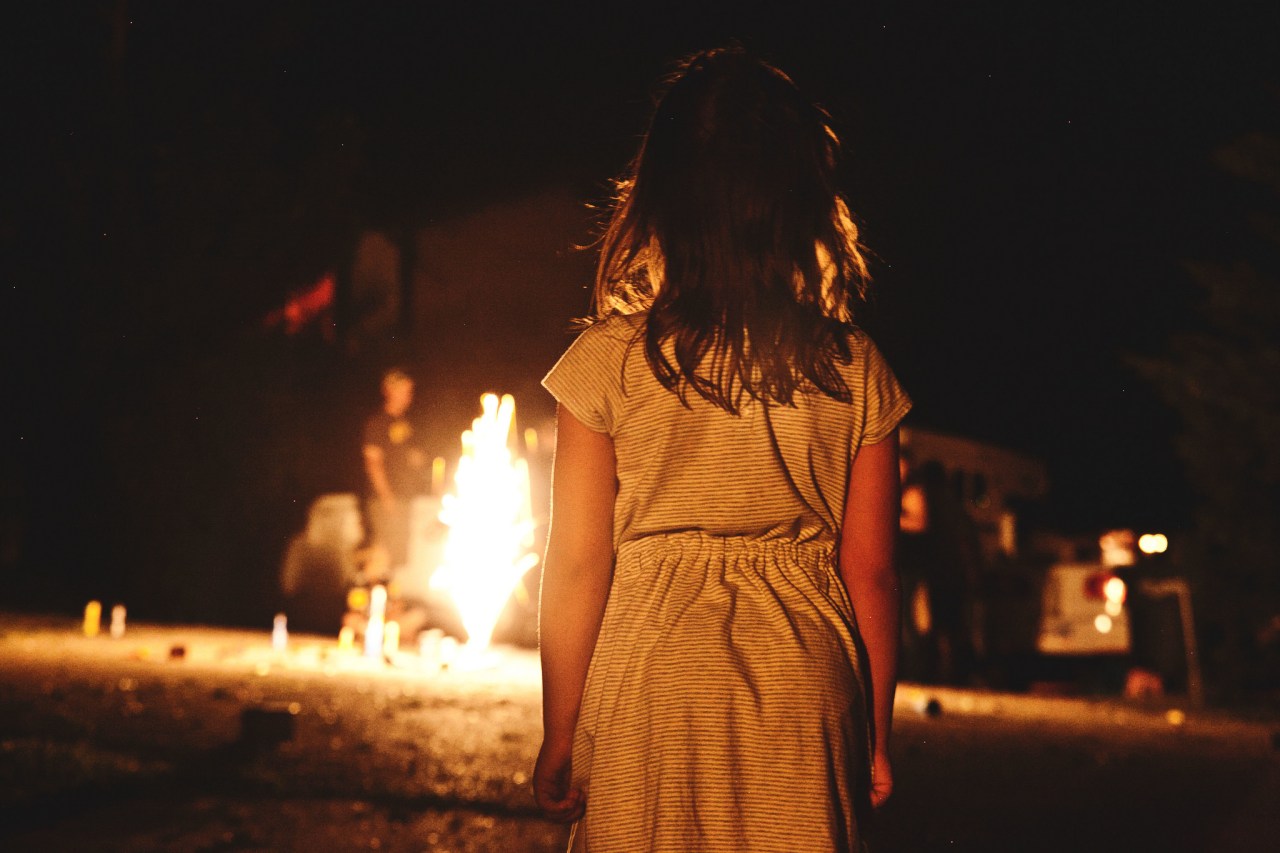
column 321, row 563
column 992, row 483
column 981, row 576
column 1082, row 611
column 1043, row 610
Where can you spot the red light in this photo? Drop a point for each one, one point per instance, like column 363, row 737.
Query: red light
column 1104, row 586
column 304, row 306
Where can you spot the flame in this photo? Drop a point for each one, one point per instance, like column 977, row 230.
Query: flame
column 490, row 521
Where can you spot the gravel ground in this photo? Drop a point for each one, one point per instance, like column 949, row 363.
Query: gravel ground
column 122, row 745
column 181, row 738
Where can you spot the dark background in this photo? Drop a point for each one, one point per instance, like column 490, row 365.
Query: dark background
column 1031, row 178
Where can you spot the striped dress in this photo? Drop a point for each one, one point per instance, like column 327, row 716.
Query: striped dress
column 724, row 708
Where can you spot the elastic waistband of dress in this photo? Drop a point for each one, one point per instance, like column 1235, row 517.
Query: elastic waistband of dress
column 700, row 541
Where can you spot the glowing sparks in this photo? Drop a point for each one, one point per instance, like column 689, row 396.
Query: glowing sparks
column 490, row 522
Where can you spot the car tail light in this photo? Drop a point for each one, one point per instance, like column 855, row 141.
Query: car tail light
column 1115, row 590
column 1104, row 586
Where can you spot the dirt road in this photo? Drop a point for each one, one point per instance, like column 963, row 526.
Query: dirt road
column 183, row 738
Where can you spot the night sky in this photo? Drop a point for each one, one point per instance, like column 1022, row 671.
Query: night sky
column 1030, row 178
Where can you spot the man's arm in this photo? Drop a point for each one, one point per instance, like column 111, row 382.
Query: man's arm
column 376, row 469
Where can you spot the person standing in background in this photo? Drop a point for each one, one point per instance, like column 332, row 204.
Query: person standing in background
column 940, row 562
column 395, row 465
column 917, row 557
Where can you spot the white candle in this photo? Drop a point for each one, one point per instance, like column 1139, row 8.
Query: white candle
column 280, row 633
column 378, row 603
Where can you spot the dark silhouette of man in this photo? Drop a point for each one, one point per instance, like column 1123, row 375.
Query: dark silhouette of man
column 395, row 465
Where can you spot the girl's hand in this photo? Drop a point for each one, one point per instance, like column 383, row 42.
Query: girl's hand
column 551, row 784
column 881, row 779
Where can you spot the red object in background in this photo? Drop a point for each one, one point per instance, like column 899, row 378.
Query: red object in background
column 315, row 303
column 1095, row 587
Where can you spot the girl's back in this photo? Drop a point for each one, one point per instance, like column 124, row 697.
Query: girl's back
column 769, row 472
column 724, row 497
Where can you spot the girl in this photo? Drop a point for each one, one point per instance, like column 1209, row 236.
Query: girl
column 719, row 610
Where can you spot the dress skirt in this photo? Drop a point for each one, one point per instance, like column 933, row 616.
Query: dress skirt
column 724, row 708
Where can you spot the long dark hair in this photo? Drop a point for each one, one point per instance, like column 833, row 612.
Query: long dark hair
column 728, row 228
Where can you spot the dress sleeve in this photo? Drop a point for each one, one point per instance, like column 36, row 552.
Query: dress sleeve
column 586, row 379
column 885, row 403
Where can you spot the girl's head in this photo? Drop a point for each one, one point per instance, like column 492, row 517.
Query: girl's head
column 729, row 228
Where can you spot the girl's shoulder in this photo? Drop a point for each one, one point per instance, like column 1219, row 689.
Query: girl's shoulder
column 604, row 341
column 617, row 331
column 620, row 324
column 860, row 346
column 858, row 338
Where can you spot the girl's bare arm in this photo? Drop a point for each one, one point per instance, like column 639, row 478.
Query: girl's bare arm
column 576, row 575
column 867, row 544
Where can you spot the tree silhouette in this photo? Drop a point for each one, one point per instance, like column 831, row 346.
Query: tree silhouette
column 1223, row 380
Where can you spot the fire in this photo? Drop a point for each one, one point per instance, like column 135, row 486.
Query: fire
column 490, row 521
